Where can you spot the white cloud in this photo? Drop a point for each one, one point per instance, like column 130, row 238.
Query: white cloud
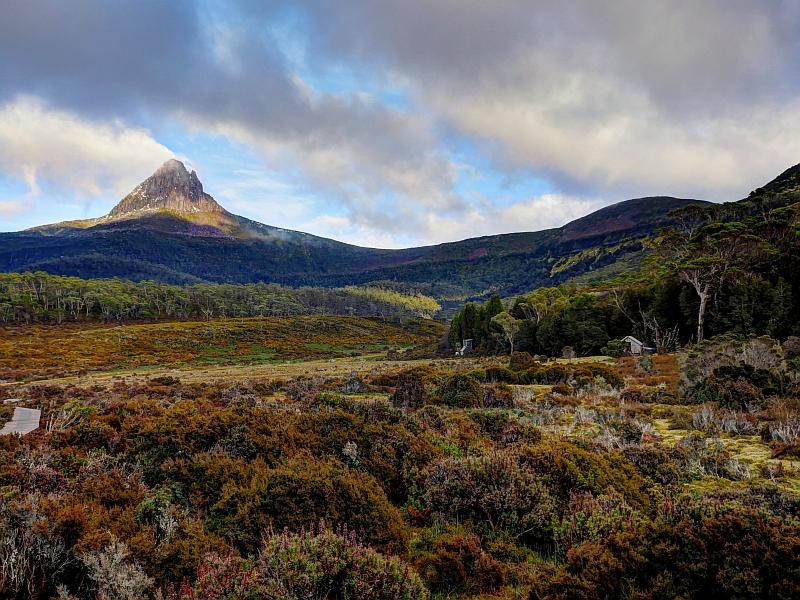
column 533, row 214
column 44, row 147
column 604, row 131
column 9, row 210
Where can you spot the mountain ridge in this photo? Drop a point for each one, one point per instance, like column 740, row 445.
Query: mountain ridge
column 169, row 229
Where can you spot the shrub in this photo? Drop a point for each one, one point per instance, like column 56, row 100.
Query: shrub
column 591, row 518
column 409, row 391
column 563, row 389
column 615, row 348
column 455, row 563
column 90, row 434
column 549, row 375
column 384, row 380
column 498, row 396
column 327, row 564
column 738, row 395
column 310, row 564
column 565, row 468
column 477, row 374
column 631, row 395
column 610, row 374
column 643, row 364
column 355, row 385
column 521, row 361
column 301, row 492
column 499, row 374
column 460, row 391
column 654, row 462
column 496, row 490
column 791, row 347
column 720, row 554
column 491, row 423
column 700, row 456
column 724, row 386
column 116, row 577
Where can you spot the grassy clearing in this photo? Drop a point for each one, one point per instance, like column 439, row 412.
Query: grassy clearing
column 31, row 352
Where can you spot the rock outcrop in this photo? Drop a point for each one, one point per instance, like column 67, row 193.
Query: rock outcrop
column 170, row 187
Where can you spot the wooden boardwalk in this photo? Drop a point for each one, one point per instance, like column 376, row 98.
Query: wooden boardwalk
column 24, row 421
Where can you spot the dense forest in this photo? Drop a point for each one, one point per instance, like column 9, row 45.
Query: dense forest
column 730, row 268
column 40, row 297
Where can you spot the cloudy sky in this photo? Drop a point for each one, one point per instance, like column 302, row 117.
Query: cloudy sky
column 393, row 123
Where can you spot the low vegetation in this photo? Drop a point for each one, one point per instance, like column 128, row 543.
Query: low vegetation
column 39, row 351
column 436, row 479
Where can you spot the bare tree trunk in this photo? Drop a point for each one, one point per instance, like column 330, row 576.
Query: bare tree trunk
column 701, row 316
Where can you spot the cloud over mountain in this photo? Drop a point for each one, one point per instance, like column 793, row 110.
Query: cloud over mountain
column 382, row 111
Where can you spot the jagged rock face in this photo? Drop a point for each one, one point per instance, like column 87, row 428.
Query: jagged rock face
column 171, row 187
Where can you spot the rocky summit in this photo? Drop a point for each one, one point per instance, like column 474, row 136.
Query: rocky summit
column 171, row 187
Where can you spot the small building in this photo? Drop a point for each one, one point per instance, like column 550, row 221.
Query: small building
column 466, row 348
column 635, row 347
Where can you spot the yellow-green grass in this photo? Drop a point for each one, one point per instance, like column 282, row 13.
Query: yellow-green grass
column 27, row 352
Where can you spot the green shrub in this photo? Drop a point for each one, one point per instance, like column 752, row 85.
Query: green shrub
column 477, row 374
column 522, row 361
column 549, row 375
column 610, row 374
column 299, row 494
column 566, row 468
column 615, row 348
column 499, row 374
column 460, row 391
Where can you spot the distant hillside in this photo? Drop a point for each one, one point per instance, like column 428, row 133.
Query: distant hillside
column 169, row 230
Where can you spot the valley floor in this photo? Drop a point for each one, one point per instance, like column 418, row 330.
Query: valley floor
column 476, row 477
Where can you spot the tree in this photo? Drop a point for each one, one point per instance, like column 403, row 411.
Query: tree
column 455, row 337
column 494, row 307
column 543, row 302
column 716, row 254
column 509, row 325
column 470, row 323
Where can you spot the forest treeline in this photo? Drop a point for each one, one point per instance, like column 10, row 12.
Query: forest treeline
column 726, row 268
column 41, row 297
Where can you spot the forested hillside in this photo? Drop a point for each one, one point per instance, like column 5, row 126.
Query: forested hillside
column 43, row 298
column 726, row 268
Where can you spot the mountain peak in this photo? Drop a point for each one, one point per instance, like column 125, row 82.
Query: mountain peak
column 173, row 165
column 171, row 187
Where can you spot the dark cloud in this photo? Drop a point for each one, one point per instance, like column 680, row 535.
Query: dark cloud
column 109, row 57
column 128, row 59
column 610, row 99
